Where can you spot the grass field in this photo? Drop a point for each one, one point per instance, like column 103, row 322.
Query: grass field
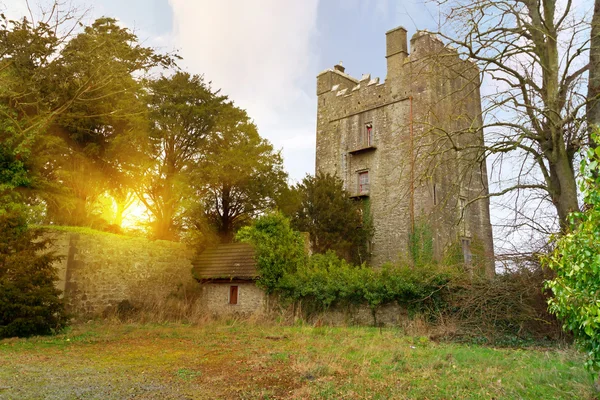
column 247, row 361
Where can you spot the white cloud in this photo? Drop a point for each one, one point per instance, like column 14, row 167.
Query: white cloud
column 259, row 53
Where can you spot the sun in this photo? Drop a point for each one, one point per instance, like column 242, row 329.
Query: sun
column 135, row 216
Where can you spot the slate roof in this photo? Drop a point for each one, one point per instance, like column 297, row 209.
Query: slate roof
column 226, row 261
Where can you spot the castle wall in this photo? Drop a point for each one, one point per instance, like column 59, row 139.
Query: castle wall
column 98, row 270
column 422, row 162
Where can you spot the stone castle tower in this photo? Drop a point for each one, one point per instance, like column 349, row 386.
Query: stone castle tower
column 407, row 148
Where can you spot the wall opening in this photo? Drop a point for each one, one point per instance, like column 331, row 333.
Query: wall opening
column 368, row 135
column 466, row 250
column 363, row 182
column 233, row 294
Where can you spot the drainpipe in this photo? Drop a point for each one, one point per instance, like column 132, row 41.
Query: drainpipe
column 412, row 169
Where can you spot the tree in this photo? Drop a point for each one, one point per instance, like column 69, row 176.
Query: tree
column 182, row 116
column 29, row 301
column 26, row 109
column 70, row 108
column 240, row 176
column 102, row 134
column 333, row 220
column 279, row 248
column 593, row 111
column 535, row 52
column 576, row 262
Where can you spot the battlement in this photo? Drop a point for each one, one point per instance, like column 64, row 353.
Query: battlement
column 342, row 94
column 422, row 45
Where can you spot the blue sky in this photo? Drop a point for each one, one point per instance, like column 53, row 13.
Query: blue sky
column 265, row 54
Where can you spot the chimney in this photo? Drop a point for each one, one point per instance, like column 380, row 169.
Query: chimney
column 396, row 51
column 339, row 67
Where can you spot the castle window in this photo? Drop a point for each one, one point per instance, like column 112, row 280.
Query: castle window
column 368, row 135
column 466, row 250
column 233, row 294
column 434, row 194
column 363, row 182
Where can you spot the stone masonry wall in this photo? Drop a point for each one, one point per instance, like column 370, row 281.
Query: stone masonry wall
column 251, row 299
column 98, row 270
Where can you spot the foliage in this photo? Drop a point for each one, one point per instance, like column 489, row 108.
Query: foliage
column 240, row 174
column 328, row 280
column 576, row 262
column 333, row 220
column 183, row 109
column 420, row 243
column 102, row 135
column 29, row 301
column 71, row 110
column 25, row 108
column 279, row 249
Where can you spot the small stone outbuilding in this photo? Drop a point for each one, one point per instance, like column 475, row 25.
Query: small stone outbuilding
column 227, row 273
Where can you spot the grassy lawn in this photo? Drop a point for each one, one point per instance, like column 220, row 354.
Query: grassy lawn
column 246, row 361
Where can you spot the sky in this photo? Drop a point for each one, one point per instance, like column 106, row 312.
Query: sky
column 264, row 54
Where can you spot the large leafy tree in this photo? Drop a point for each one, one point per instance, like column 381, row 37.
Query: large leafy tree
column 240, row 175
column 333, row 220
column 182, row 115
column 576, row 261
column 70, row 110
column 103, row 132
column 26, row 108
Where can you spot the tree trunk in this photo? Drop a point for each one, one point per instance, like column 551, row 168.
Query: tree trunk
column 593, row 106
column 563, row 190
column 226, row 228
column 119, row 214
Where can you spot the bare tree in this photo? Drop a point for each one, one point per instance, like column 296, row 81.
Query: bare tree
column 593, row 110
column 533, row 55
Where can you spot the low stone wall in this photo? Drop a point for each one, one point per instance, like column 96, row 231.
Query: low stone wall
column 98, row 270
column 361, row 315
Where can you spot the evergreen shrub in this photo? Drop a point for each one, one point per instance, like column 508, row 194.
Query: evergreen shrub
column 29, row 301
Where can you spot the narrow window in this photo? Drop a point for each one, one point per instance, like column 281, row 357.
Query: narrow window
column 233, row 294
column 462, row 203
column 434, row 194
column 363, row 182
column 466, row 249
column 368, row 138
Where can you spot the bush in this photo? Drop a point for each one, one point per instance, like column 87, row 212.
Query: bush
column 328, row 280
column 278, row 248
column 29, row 301
column 509, row 305
column 576, row 261
column 333, row 220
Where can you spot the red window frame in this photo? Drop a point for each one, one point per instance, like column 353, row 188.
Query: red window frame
column 363, row 181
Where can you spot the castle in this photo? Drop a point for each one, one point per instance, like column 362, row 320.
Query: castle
column 409, row 149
